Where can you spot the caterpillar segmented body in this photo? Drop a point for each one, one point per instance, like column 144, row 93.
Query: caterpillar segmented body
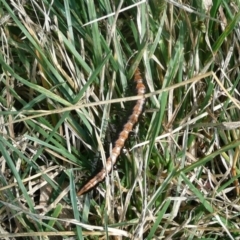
column 123, row 136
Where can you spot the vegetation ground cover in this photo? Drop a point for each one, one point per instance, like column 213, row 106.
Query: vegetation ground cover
column 66, row 90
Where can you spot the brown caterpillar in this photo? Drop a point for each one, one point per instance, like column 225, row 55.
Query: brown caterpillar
column 123, row 136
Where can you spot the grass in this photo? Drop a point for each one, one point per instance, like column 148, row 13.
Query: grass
column 66, row 90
